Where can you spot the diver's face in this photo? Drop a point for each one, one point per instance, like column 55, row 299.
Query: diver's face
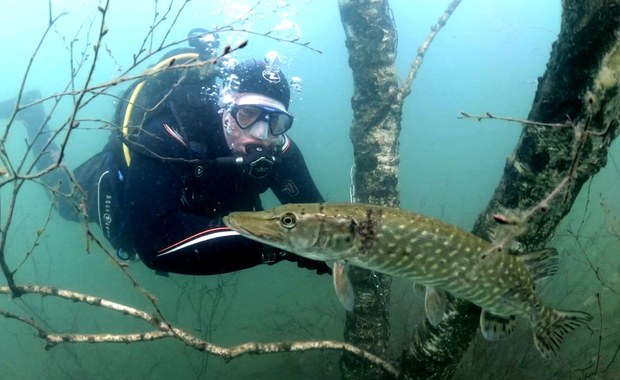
column 253, row 129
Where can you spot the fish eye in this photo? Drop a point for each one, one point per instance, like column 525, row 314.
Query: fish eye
column 288, row 220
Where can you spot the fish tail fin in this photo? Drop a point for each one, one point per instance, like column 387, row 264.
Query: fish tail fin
column 550, row 330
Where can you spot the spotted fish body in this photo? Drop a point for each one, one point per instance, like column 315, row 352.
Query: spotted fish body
column 425, row 250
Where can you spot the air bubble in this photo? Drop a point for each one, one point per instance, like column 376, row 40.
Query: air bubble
column 296, row 84
column 272, row 59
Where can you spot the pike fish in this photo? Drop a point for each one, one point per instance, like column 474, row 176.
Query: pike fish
column 428, row 251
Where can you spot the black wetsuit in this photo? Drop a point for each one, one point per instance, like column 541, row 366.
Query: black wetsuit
column 168, row 204
column 175, row 195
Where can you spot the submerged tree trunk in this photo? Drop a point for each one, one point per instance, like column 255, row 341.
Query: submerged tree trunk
column 371, row 41
column 580, row 86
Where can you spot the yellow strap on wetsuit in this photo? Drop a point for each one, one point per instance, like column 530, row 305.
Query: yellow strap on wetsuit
column 134, row 96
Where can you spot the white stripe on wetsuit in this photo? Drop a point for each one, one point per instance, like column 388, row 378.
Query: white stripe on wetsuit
column 214, row 233
column 286, row 144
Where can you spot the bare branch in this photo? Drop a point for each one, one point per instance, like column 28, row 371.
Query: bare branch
column 405, row 89
column 527, row 123
column 164, row 330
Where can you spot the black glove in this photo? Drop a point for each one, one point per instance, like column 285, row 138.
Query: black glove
column 302, row 262
column 272, row 255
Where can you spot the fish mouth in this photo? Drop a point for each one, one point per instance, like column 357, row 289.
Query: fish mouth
column 256, row 226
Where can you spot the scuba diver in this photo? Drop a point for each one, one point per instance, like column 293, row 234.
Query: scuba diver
column 161, row 189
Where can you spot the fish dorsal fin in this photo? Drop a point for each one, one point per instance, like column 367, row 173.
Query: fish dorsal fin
column 496, row 327
column 343, row 286
column 542, row 264
column 435, row 305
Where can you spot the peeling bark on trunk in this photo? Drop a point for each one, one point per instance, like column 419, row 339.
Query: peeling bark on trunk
column 581, row 84
column 371, row 41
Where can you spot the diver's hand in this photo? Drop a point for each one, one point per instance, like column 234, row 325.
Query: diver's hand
column 302, row 262
column 272, row 255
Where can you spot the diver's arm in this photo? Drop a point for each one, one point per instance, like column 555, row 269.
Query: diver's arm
column 168, row 239
column 293, row 182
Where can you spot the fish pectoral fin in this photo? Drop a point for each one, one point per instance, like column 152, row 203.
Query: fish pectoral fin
column 542, row 264
column 496, row 327
column 343, row 286
column 435, row 304
column 418, row 290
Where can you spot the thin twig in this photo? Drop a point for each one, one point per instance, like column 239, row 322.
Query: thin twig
column 613, row 358
column 417, row 63
column 489, row 116
column 26, row 75
column 600, row 333
column 173, row 23
column 518, row 222
column 102, row 32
